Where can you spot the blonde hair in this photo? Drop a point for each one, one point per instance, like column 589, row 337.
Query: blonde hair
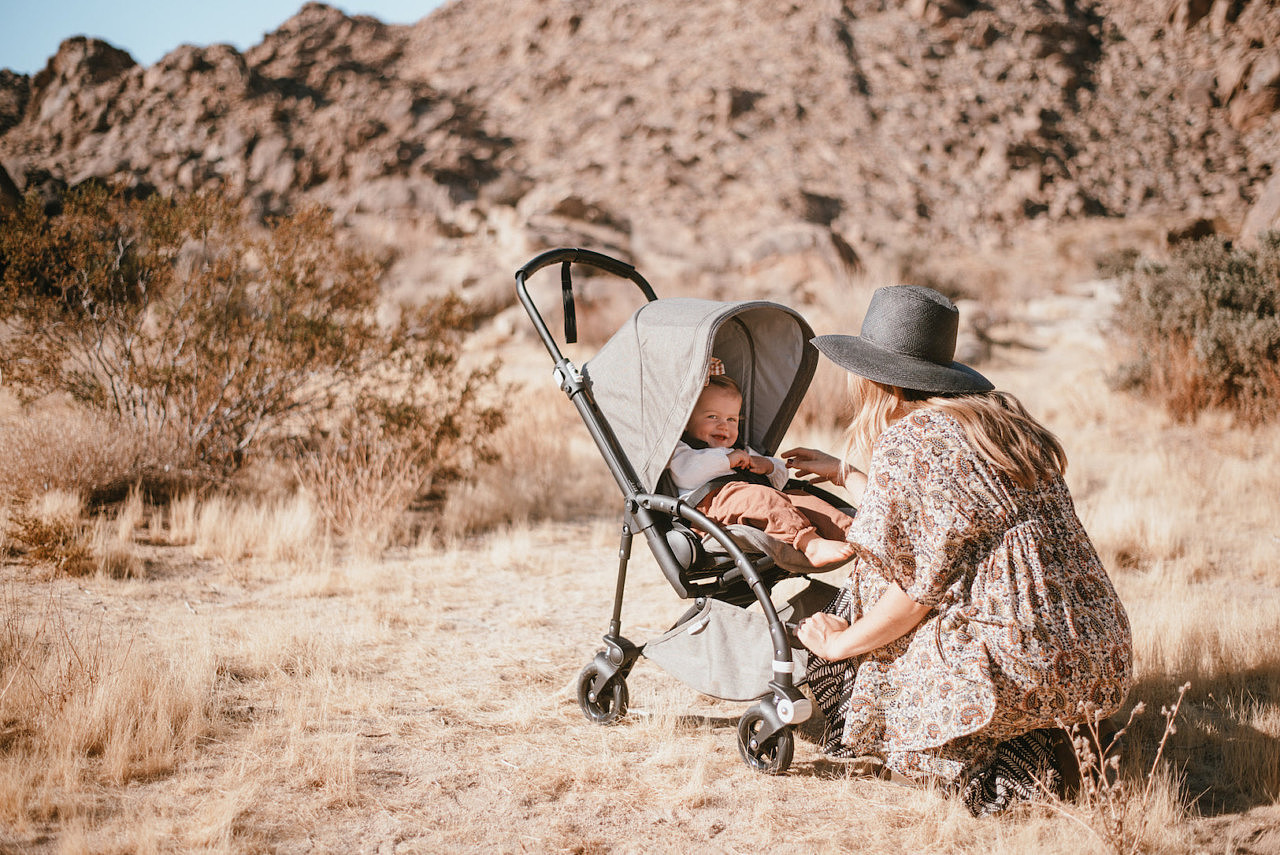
column 873, row 405
column 724, row 381
column 996, row 424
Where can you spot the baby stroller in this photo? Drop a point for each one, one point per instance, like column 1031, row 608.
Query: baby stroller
column 635, row 397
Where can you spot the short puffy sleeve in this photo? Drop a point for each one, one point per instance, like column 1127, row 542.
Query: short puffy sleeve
column 917, row 522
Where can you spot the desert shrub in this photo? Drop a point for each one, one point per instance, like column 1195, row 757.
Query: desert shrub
column 56, row 542
column 49, row 529
column 189, row 324
column 1202, row 330
column 1117, row 263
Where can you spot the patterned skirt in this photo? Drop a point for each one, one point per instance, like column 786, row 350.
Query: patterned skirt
column 991, row 770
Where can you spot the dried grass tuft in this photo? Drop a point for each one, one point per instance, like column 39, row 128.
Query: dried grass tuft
column 273, row 530
column 550, row 470
column 362, row 486
column 61, row 447
column 82, row 706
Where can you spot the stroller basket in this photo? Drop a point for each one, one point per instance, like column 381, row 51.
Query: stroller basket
column 635, row 397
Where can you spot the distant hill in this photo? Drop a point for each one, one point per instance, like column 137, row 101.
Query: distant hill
column 724, row 145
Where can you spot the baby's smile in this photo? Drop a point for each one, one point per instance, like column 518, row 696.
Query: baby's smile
column 720, row 439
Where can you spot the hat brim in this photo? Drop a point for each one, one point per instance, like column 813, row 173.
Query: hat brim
column 873, row 362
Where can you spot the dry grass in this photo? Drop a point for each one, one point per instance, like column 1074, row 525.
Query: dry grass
column 176, row 521
column 61, row 447
column 551, row 471
column 83, row 706
column 424, row 702
column 429, row 704
column 113, row 540
column 361, row 486
column 275, row 529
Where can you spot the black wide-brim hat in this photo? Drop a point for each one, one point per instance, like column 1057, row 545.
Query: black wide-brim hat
column 908, row 340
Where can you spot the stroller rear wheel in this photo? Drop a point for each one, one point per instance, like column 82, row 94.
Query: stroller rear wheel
column 771, row 755
column 606, row 706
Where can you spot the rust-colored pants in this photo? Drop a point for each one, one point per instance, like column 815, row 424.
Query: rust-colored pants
column 782, row 516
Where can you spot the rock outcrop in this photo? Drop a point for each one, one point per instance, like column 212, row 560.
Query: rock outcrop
column 721, row 146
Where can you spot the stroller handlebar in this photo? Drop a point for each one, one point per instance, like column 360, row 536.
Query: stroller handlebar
column 588, row 257
column 566, row 257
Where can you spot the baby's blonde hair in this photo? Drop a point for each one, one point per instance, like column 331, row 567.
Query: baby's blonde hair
column 724, row 381
column 996, row 424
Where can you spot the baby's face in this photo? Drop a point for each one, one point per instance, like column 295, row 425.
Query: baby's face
column 715, row 417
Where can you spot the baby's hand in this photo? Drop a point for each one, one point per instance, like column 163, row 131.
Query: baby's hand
column 739, row 459
column 761, row 465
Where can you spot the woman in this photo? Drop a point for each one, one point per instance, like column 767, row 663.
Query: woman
column 977, row 612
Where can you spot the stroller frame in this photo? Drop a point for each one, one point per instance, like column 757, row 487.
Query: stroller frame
column 765, row 738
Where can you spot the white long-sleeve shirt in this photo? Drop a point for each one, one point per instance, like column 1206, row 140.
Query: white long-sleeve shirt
column 692, row 467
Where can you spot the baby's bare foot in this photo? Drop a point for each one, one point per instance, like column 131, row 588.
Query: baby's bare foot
column 822, row 552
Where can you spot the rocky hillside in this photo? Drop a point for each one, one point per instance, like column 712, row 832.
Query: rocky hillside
column 714, row 144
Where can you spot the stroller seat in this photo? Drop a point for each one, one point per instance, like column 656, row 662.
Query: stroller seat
column 755, row 542
column 705, row 562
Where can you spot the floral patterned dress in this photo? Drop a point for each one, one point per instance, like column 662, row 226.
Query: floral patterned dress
column 1025, row 631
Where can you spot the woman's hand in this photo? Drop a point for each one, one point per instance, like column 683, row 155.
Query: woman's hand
column 818, row 632
column 810, row 461
column 825, row 467
column 891, row 617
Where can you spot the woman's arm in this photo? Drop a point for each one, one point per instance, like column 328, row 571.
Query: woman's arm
column 826, row 467
column 893, row 616
column 811, row 461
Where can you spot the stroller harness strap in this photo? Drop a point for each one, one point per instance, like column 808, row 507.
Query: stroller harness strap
column 566, row 299
column 699, row 493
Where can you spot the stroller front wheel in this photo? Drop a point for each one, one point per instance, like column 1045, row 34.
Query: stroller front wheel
column 608, row 704
column 771, row 755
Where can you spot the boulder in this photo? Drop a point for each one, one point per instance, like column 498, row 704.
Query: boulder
column 1264, row 215
column 15, row 92
column 10, row 196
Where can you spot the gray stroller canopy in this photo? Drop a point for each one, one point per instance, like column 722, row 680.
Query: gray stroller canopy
column 647, row 377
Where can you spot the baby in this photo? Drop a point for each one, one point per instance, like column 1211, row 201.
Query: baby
column 706, row 451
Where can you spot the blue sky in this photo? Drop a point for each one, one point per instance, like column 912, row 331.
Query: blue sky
column 31, row 30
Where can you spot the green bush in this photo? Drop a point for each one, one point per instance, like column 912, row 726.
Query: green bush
column 1202, row 330
column 228, row 340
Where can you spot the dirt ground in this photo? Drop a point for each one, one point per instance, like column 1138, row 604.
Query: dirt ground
column 424, row 702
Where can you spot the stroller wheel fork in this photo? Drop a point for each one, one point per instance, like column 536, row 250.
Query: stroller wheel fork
column 794, row 710
column 602, row 685
column 766, row 740
column 764, row 743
